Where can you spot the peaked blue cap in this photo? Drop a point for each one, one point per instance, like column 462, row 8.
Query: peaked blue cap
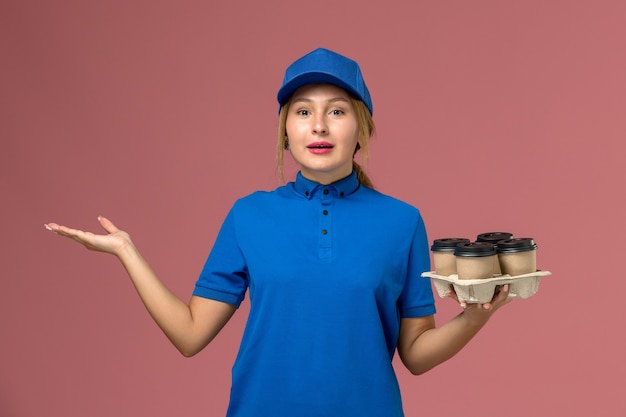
column 325, row 66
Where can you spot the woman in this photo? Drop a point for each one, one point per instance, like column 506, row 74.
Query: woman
column 334, row 280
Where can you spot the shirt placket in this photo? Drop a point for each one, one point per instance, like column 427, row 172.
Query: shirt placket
column 325, row 229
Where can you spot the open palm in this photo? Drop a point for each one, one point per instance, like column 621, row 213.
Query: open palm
column 114, row 241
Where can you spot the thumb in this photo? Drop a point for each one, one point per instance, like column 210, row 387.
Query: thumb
column 107, row 225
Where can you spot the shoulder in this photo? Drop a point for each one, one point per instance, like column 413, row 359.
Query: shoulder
column 260, row 199
column 392, row 205
column 386, row 212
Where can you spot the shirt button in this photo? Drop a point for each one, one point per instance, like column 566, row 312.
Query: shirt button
column 341, row 194
column 324, row 231
column 306, row 193
column 325, row 212
column 326, row 192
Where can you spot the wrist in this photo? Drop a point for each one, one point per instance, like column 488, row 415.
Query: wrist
column 127, row 251
column 475, row 319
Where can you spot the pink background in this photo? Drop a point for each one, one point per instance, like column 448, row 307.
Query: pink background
column 491, row 115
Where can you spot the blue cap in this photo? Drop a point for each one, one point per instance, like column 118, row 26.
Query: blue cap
column 324, row 66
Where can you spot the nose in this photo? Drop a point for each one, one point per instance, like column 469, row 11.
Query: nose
column 319, row 125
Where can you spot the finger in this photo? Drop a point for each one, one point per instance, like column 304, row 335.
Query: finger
column 62, row 230
column 75, row 234
column 84, row 238
column 107, row 225
column 499, row 299
column 503, row 295
column 58, row 229
column 450, row 293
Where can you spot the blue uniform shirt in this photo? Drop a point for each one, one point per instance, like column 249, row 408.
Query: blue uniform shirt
column 331, row 270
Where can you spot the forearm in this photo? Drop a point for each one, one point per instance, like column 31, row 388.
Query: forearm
column 436, row 345
column 171, row 314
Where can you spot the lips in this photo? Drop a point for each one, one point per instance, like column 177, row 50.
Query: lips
column 320, row 145
column 320, row 148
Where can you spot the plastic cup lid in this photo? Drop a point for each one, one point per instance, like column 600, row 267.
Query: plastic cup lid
column 520, row 244
column 475, row 249
column 447, row 244
column 493, row 237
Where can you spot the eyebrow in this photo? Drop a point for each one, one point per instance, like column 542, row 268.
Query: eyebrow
column 332, row 100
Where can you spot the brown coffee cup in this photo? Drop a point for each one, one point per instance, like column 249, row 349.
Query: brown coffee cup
column 443, row 254
column 475, row 260
column 517, row 256
column 494, row 237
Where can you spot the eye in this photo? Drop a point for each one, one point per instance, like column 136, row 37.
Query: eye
column 303, row 112
column 337, row 112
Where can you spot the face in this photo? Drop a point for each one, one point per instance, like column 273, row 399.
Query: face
column 323, row 132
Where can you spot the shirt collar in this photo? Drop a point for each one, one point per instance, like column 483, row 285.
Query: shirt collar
column 342, row 188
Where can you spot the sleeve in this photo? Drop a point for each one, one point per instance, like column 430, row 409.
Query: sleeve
column 225, row 274
column 417, row 298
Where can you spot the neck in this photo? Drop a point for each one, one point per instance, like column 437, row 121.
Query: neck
column 325, row 178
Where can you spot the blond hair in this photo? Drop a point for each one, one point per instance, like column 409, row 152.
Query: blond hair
column 366, row 129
